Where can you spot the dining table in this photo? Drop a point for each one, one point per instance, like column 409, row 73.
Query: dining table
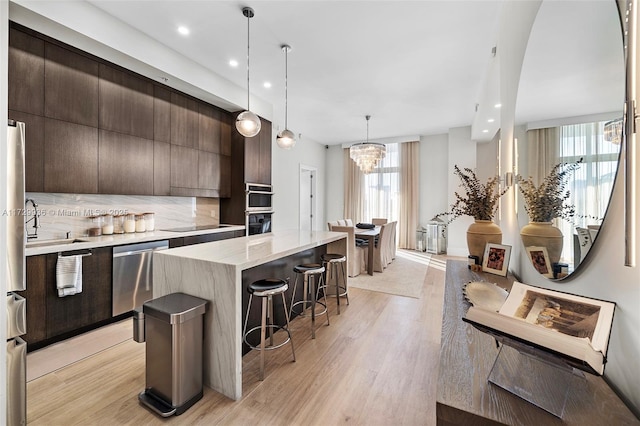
column 369, row 235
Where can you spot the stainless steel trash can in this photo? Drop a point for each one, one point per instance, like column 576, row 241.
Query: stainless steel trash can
column 173, row 334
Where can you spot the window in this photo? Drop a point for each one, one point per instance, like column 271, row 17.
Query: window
column 382, row 187
column 592, row 183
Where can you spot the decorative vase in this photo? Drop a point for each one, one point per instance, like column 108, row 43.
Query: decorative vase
column 543, row 234
column 479, row 234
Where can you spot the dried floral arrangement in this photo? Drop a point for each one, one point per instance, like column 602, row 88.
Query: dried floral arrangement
column 547, row 201
column 480, row 201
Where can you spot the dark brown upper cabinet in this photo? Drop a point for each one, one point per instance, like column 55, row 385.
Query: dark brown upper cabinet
column 184, row 167
column 225, row 134
column 70, row 157
column 26, row 73
column 208, row 170
column 125, row 165
column 70, row 86
column 34, row 149
column 93, row 127
column 209, row 128
column 161, row 114
column 257, row 153
column 184, row 121
column 126, row 103
column 161, row 168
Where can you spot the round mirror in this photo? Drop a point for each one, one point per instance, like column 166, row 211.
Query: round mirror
column 568, row 130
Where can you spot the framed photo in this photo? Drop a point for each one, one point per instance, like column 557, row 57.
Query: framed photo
column 496, row 259
column 540, row 260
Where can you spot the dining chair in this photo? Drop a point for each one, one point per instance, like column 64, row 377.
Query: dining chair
column 380, row 251
column 379, row 221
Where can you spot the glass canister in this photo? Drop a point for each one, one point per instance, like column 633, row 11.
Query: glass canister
column 129, row 223
column 107, row 224
column 149, row 221
column 95, row 226
column 140, row 223
column 118, row 224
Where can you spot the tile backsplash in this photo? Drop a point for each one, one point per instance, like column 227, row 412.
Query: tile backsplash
column 62, row 213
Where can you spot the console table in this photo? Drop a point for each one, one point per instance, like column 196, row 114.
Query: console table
column 467, row 355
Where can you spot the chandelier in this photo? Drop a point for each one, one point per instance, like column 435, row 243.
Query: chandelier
column 613, row 131
column 367, row 155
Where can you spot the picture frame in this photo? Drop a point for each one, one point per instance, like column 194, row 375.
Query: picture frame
column 496, row 259
column 539, row 258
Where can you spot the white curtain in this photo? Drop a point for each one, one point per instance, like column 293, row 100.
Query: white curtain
column 353, row 190
column 592, row 183
column 409, row 194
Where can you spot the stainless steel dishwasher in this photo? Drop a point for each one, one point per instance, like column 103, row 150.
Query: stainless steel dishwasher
column 132, row 275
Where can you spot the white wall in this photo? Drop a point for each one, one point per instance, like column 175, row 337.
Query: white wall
column 334, row 206
column 462, row 153
column 285, row 177
column 434, row 192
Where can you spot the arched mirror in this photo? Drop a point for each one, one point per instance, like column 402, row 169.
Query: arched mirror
column 568, row 130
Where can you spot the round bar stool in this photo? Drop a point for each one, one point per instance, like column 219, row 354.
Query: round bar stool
column 312, row 277
column 266, row 289
column 334, row 263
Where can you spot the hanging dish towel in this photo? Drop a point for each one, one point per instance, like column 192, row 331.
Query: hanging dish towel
column 69, row 275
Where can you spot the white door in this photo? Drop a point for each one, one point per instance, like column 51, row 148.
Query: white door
column 307, row 197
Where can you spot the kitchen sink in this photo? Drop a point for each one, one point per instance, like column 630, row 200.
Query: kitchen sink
column 45, row 243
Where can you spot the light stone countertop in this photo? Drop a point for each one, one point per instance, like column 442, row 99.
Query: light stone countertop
column 247, row 252
column 120, row 239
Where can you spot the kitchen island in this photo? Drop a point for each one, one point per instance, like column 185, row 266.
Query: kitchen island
column 219, row 272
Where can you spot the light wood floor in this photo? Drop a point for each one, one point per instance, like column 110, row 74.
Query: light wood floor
column 376, row 364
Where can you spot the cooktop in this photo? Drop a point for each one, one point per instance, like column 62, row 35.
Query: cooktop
column 195, row 228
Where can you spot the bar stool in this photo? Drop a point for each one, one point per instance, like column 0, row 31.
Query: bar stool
column 266, row 289
column 312, row 276
column 334, row 263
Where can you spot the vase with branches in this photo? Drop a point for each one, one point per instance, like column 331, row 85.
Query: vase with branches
column 544, row 203
column 480, row 201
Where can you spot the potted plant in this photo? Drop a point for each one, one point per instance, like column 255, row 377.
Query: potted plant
column 543, row 204
column 480, row 201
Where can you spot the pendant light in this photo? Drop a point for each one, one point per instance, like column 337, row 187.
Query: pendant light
column 286, row 139
column 247, row 123
column 367, row 155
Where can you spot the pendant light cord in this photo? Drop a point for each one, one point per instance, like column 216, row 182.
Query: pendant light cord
column 286, row 68
column 248, row 56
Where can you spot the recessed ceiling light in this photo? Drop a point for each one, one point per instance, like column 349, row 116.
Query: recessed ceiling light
column 183, row 30
column 233, row 63
column 491, row 120
column 497, row 105
column 267, row 85
column 485, row 131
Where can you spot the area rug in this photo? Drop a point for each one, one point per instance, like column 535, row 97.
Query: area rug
column 403, row 277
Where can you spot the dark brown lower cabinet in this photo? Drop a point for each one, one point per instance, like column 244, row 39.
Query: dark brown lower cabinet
column 50, row 316
column 93, row 305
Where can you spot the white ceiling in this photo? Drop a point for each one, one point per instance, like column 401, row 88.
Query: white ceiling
column 417, row 67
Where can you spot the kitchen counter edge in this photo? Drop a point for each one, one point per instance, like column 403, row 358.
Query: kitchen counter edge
column 121, row 239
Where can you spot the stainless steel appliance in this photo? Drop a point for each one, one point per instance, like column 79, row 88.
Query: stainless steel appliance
column 173, row 334
column 258, row 208
column 16, row 392
column 132, row 278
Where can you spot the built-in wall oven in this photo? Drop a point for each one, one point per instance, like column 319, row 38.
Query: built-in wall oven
column 258, row 208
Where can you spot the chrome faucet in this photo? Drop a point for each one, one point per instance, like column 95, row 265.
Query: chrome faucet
column 35, row 218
